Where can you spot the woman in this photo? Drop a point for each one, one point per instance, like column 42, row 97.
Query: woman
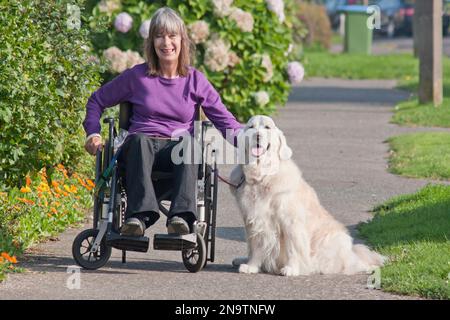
column 164, row 92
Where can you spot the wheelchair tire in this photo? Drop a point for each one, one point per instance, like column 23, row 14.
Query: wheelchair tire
column 83, row 242
column 194, row 259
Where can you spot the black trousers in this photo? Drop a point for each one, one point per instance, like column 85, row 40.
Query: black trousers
column 142, row 154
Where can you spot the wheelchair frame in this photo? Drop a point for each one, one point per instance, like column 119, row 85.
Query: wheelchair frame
column 110, row 205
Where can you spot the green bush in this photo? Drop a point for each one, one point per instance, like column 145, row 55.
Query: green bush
column 255, row 53
column 46, row 76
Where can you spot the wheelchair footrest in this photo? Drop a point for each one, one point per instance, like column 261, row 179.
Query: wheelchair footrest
column 174, row 241
column 139, row 244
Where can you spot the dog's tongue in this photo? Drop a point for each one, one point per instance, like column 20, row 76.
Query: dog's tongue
column 257, row 151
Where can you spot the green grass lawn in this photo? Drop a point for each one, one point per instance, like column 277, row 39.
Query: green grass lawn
column 421, row 155
column 319, row 63
column 414, row 232
column 411, row 113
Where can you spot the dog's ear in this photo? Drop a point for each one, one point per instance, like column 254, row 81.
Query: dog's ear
column 284, row 152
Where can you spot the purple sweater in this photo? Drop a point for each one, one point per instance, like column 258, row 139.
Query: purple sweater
column 160, row 105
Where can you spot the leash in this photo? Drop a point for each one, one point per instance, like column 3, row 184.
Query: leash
column 231, row 184
column 106, row 174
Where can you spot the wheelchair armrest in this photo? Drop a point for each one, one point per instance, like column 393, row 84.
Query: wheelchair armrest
column 207, row 124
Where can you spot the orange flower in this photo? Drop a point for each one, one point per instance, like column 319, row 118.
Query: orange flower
column 58, row 190
column 28, row 181
column 43, row 187
column 9, row 258
column 25, row 189
column 53, row 210
column 65, row 194
column 90, row 183
column 55, row 184
column 56, row 203
column 81, row 181
column 25, row 200
column 60, row 166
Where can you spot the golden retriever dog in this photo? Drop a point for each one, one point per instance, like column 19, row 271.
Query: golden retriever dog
column 288, row 231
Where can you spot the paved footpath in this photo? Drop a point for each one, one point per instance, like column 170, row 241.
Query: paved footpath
column 337, row 130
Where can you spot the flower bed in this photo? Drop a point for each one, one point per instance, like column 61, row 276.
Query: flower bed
column 41, row 209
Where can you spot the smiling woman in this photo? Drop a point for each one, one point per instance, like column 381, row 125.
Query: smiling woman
column 168, row 48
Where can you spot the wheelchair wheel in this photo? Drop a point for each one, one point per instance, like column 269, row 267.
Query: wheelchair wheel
column 194, row 259
column 83, row 244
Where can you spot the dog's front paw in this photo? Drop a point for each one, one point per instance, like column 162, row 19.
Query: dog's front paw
column 289, row 272
column 238, row 261
column 245, row 268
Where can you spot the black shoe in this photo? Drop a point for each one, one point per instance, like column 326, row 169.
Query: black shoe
column 177, row 225
column 133, row 227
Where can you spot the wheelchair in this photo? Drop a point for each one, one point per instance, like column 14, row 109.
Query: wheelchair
column 92, row 248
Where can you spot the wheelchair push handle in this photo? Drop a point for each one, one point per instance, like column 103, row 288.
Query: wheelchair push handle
column 110, row 121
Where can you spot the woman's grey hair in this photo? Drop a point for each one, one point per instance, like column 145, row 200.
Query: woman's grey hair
column 166, row 20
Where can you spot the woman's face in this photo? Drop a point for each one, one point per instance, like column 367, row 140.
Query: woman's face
column 167, row 46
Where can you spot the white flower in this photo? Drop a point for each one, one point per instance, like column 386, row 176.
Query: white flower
column 199, row 31
column 277, row 7
column 133, row 58
column 221, row 8
column 233, row 59
column 295, row 72
column 109, row 6
column 244, row 20
column 117, row 59
column 123, row 22
column 144, row 28
column 216, row 54
column 267, row 64
column 261, row 98
column 289, row 50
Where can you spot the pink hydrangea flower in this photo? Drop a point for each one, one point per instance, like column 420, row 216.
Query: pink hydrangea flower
column 295, row 72
column 144, row 29
column 123, row 22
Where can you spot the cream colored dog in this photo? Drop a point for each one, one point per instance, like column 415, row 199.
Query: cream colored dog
column 288, row 231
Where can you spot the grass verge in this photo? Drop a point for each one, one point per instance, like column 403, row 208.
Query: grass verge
column 421, row 155
column 414, row 232
column 319, row 63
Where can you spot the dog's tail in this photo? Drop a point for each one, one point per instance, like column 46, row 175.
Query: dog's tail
column 371, row 258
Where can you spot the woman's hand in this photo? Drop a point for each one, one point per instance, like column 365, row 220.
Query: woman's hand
column 93, row 144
